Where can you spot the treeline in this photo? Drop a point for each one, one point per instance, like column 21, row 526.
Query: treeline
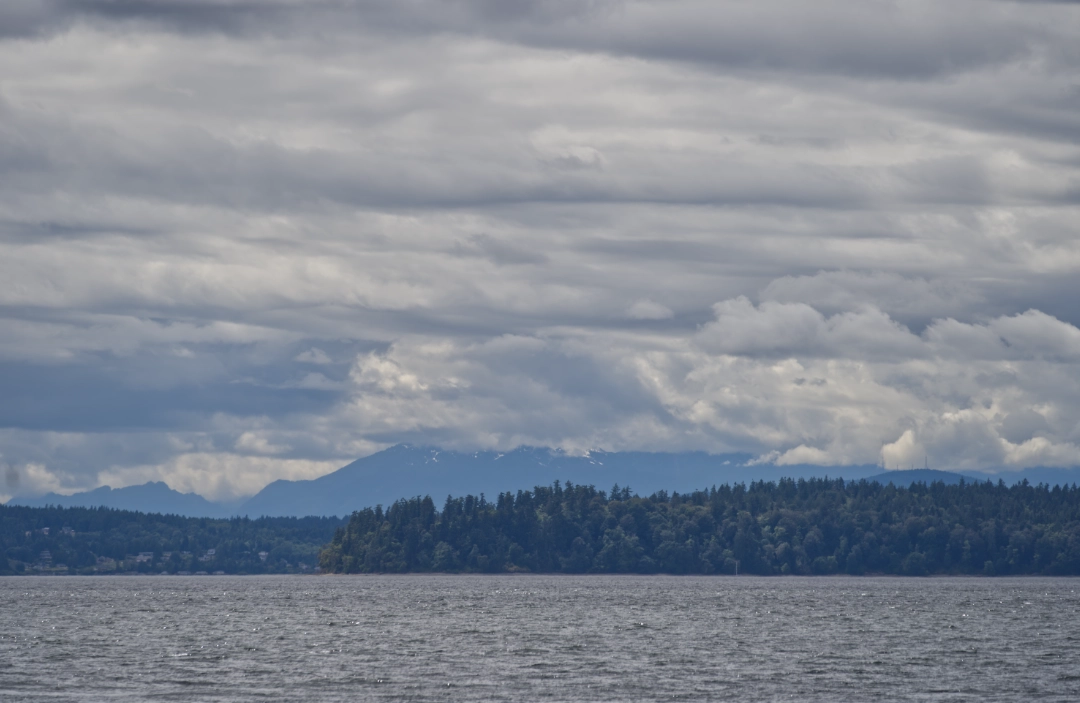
column 103, row 541
column 816, row 526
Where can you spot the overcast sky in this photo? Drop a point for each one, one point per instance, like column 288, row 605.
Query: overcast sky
column 243, row 240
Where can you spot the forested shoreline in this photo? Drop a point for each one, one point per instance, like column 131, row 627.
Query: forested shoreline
column 816, row 526
column 55, row 540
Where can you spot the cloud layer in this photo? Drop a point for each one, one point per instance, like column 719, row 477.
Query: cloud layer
column 243, row 241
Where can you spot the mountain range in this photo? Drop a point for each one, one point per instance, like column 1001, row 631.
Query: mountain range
column 405, row 471
column 154, row 497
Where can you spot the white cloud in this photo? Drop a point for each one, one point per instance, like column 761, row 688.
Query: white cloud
column 313, row 356
column 315, row 381
column 803, row 454
column 1029, row 335
column 218, row 476
column 300, row 232
column 897, row 295
column 798, row 329
column 32, row 478
column 646, row 309
column 252, row 443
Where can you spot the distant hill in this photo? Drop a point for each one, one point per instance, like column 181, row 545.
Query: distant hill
column 155, row 497
column 56, row 540
column 1034, row 476
column 405, row 471
column 907, row 477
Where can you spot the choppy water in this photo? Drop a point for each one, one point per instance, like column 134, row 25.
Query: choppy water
column 524, row 638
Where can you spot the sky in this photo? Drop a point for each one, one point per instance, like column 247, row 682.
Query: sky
column 243, row 241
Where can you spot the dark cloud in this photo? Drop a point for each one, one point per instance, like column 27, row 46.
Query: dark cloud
column 84, row 398
column 874, row 38
column 31, row 18
column 500, row 252
column 242, row 241
column 191, row 166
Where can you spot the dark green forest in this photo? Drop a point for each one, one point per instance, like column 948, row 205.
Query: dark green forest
column 816, row 526
column 106, row 541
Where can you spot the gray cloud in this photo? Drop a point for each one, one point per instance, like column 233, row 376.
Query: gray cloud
column 242, row 241
column 876, row 38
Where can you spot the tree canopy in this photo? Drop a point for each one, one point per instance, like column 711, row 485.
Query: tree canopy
column 816, row 526
column 103, row 540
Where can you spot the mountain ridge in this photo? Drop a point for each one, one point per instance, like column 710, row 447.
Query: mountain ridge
column 152, row 497
column 406, row 471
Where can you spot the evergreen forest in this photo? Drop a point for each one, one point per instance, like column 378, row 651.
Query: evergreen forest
column 105, row 541
column 816, row 526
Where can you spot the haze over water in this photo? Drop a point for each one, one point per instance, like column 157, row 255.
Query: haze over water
column 560, row 638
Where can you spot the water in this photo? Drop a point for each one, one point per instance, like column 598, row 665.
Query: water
column 524, row 638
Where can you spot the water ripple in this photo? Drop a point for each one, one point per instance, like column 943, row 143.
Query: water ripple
column 558, row 638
